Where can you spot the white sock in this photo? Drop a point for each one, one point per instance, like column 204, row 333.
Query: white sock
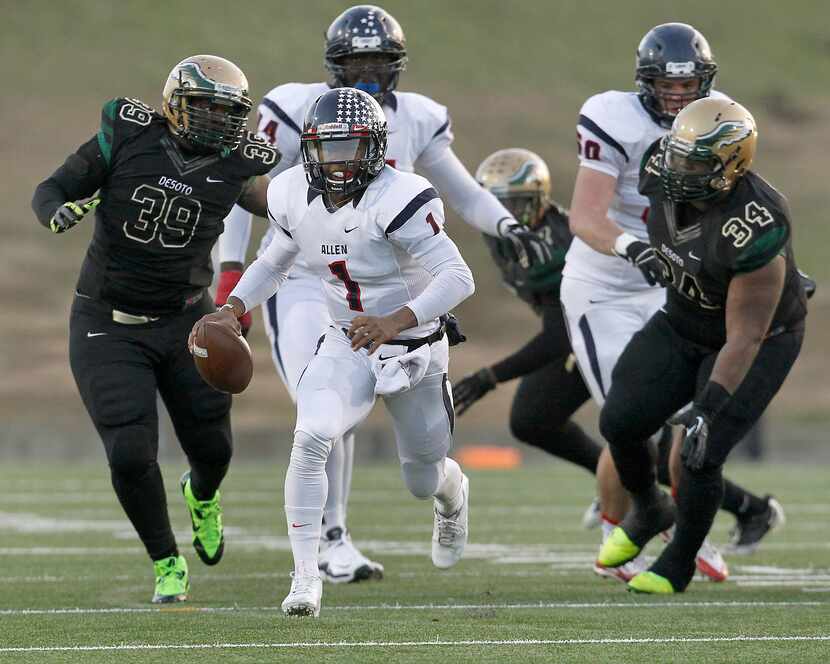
column 306, row 487
column 449, row 490
column 607, row 527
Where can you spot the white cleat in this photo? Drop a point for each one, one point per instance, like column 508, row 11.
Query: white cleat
column 450, row 532
column 305, row 596
column 625, row 572
column 341, row 562
column 710, row 562
column 592, row 518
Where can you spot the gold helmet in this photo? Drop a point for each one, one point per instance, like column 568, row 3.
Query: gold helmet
column 709, row 148
column 206, row 103
column 520, row 180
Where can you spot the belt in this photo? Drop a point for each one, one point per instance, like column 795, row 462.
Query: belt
column 124, row 318
column 412, row 344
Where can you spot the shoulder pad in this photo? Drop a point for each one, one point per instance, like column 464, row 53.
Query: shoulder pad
column 619, row 114
column 257, row 156
column 288, row 102
column 423, row 110
column 122, row 117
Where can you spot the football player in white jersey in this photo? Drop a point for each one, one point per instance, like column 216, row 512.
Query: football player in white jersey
column 611, row 283
column 373, row 236
column 365, row 49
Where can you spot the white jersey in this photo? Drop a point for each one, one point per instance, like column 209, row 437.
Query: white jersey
column 419, row 129
column 614, row 131
column 381, row 251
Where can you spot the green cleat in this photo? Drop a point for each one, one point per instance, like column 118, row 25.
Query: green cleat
column 172, row 580
column 206, row 517
column 651, row 583
column 618, row 549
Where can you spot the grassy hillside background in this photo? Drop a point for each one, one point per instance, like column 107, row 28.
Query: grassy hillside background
column 511, row 73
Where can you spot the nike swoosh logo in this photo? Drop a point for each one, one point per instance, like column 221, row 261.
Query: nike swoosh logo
column 89, row 335
column 349, row 230
column 210, row 179
column 300, row 525
column 693, row 257
column 383, row 359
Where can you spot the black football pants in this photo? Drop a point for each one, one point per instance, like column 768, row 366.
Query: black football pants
column 658, row 373
column 119, row 369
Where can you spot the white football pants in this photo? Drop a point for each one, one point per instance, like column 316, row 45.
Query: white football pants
column 295, row 319
column 601, row 322
column 335, row 394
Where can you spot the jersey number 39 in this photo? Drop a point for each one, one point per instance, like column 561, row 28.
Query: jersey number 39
column 172, row 219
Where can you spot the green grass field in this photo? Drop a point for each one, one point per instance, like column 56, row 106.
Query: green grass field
column 75, row 584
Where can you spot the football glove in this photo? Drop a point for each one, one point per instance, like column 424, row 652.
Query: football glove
column 453, row 329
column 696, row 437
column 471, row 388
column 69, row 214
column 641, row 255
column 529, row 249
column 227, row 282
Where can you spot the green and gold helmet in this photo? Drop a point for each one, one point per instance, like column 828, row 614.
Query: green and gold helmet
column 520, row 180
column 709, row 148
column 206, row 103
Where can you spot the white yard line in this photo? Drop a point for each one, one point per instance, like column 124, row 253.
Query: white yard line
column 414, row 644
column 424, row 607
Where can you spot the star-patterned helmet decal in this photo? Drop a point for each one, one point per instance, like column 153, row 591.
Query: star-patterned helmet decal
column 355, row 107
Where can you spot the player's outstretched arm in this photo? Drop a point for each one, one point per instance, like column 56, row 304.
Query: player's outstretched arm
column 80, row 176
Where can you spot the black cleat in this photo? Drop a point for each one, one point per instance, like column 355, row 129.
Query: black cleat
column 751, row 529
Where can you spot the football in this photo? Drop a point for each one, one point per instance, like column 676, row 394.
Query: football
column 223, row 358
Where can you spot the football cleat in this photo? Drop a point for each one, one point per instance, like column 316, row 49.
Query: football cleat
column 450, row 532
column 341, row 562
column 640, row 524
column 624, row 572
column 592, row 517
column 304, row 597
column 172, row 580
column 616, row 550
column 206, row 518
column 750, row 530
column 651, row 583
column 709, row 561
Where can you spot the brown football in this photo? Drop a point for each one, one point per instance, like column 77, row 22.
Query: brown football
column 223, row 358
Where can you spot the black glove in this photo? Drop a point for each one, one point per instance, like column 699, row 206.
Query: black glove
column 697, row 424
column 471, row 388
column 453, row 330
column 69, row 214
column 641, row 255
column 529, row 249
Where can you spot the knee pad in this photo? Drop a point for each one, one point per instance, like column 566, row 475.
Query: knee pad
column 309, row 453
column 131, row 450
column 422, row 479
column 613, row 423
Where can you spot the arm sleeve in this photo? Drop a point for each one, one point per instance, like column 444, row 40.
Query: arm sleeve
column 535, row 354
column 266, row 274
column 422, row 237
column 234, row 241
column 474, row 204
column 80, row 176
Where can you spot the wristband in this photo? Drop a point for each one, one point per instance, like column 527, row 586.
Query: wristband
column 621, row 244
column 713, row 398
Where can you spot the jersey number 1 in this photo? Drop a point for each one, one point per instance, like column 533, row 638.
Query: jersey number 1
column 339, row 270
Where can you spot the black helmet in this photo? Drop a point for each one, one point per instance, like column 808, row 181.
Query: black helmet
column 364, row 30
column 344, row 127
column 673, row 50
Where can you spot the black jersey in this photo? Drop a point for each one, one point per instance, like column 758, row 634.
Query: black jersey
column 703, row 250
column 162, row 209
column 539, row 285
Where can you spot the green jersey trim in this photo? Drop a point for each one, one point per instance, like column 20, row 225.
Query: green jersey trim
column 105, row 133
column 763, row 250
